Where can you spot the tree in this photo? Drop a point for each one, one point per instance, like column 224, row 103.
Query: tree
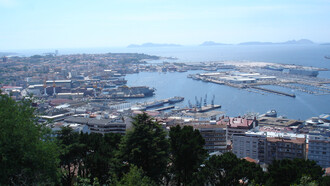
column 307, row 181
column 27, row 155
column 71, row 154
column 286, row 172
column 186, row 153
column 325, row 181
column 146, row 146
column 135, row 176
column 98, row 161
column 227, row 169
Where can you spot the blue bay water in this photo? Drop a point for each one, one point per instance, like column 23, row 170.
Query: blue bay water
column 234, row 101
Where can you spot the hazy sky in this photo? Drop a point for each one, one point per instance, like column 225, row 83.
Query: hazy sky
column 31, row 24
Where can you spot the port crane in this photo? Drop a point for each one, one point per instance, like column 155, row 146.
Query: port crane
column 205, row 100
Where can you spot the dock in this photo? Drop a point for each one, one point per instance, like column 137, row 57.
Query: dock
column 207, row 108
column 274, row 91
column 165, row 108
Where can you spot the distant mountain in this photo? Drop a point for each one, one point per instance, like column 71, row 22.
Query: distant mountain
column 211, row 43
column 300, row 42
column 325, row 43
column 295, row 42
column 257, row 43
column 153, row 45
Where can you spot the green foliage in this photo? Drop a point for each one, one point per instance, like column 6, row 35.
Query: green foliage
column 99, row 159
column 134, row 177
column 71, row 154
column 187, row 153
column 227, row 169
column 306, row 181
column 287, row 172
column 325, row 181
column 27, row 154
column 87, row 155
column 146, row 146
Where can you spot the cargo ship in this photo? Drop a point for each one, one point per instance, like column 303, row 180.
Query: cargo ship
column 130, row 92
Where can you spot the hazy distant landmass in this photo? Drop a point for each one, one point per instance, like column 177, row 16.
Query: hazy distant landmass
column 295, row 42
column 153, row 45
column 211, row 43
column 325, row 43
column 6, row 54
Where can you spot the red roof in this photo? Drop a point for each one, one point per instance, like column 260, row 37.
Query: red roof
column 327, row 171
column 236, row 122
column 250, row 160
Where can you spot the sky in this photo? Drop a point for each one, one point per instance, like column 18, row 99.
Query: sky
column 41, row 24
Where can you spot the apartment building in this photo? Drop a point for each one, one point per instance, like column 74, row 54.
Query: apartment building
column 319, row 149
column 214, row 136
column 284, row 147
column 268, row 146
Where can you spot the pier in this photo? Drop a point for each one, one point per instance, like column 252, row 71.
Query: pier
column 274, row 91
column 206, row 108
column 165, row 108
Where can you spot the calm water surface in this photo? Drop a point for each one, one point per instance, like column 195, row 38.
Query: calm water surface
column 234, row 101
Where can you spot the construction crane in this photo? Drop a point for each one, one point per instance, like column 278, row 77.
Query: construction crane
column 205, row 100
column 197, row 105
column 190, row 106
column 212, row 102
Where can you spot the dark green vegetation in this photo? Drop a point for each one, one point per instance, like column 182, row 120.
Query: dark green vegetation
column 31, row 155
column 27, row 154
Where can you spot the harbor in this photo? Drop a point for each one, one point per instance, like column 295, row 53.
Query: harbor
column 273, row 91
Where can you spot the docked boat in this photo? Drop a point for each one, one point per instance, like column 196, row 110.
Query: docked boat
column 130, row 92
column 271, row 113
column 175, row 99
column 154, row 104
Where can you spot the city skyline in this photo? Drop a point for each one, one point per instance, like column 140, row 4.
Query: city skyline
column 36, row 24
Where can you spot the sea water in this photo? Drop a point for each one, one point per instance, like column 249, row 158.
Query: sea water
column 234, row 101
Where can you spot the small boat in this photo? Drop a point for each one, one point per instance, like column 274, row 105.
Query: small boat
column 271, row 113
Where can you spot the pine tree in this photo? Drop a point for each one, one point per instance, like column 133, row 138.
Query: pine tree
column 146, row 147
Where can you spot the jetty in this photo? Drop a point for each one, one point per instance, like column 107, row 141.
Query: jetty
column 165, row 108
column 274, row 91
column 205, row 108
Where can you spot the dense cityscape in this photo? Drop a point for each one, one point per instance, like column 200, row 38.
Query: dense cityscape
column 88, row 94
